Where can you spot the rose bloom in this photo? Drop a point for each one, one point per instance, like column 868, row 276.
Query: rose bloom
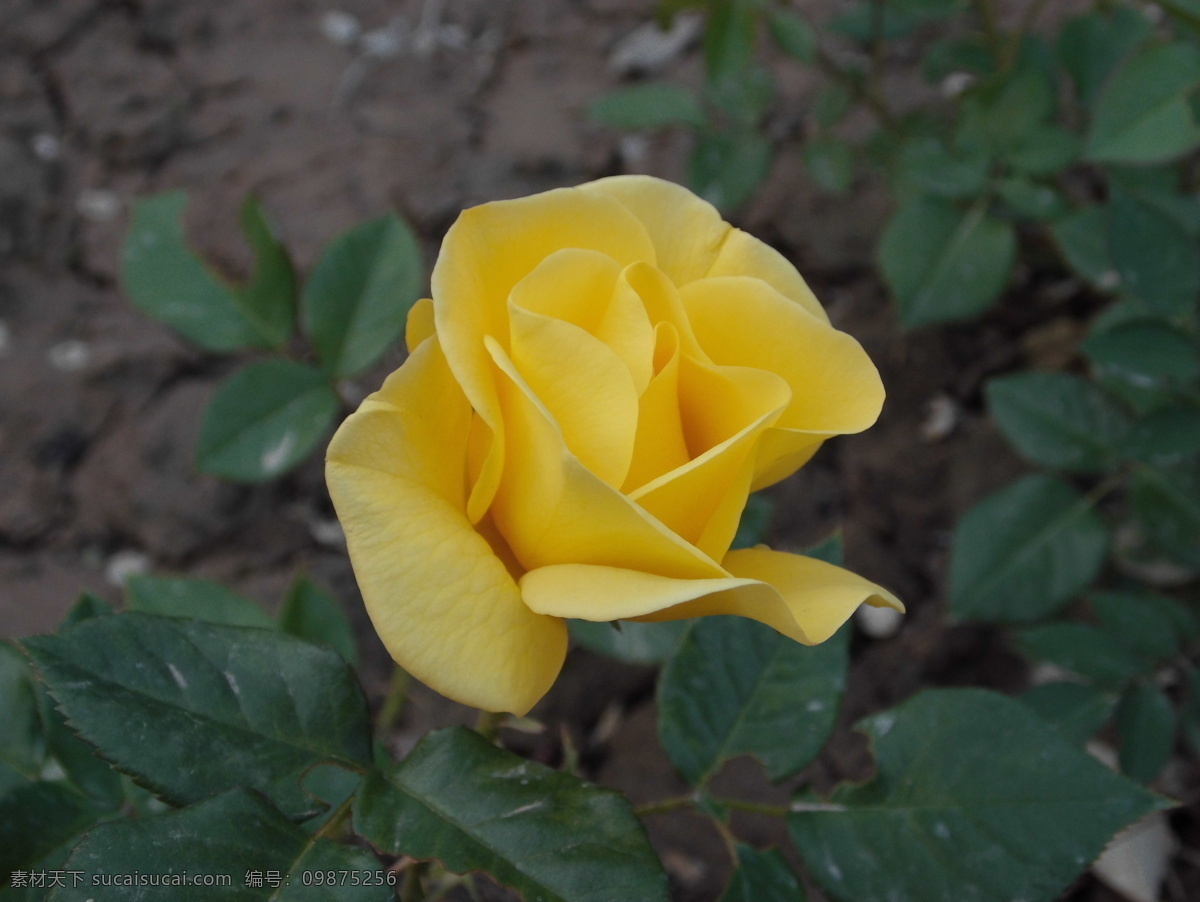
column 602, row 377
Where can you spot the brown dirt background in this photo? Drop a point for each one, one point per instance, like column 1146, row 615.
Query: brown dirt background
column 105, row 100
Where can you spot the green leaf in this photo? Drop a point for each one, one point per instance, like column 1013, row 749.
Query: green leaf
column 1141, row 621
column 652, row 105
column 313, row 614
column 269, row 300
column 974, row 798
column 1093, row 45
column 729, row 38
column 264, row 420
column 355, row 302
column 1167, row 503
column 191, row 709
column 1156, row 259
column 1031, row 200
column 792, row 33
column 1143, row 114
column 1075, row 710
column 1082, row 237
column 830, row 162
column 78, row 762
column 1024, row 552
column 475, row 807
column 166, row 281
column 1165, row 437
column 1001, row 114
column 1057, row 420
column 22, row 741
column 762, row 877
column 239, row 839
column 1045, row 150
column 86, row 607
column 832, row 103
column 895, row 20
column 727, row 168
column 945, row 265
column 636, row 643
column 36, row 819
column 966, row 54
column 1143, row 351
column 737, row 687
column 1083, row 649
column 1146, row 723
column 201, row 599
column 755, row 522
column 927, row 163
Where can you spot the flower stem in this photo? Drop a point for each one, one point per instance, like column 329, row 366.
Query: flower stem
column 393, row 702
column 488, row 724
column 665, row 805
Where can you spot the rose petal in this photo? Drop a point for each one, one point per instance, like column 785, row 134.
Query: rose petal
column 745, row 255
column 553, row 510
column 487, row 251
column 659, row 445
column 585, row 386
column 419, row 325
column 687, row 231
column 444, row 605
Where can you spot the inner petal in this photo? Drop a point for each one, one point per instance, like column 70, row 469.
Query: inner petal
column 659, row 445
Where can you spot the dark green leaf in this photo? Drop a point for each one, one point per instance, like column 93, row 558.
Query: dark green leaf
column 86, row 607
column 1146, row 723
column 830, row 162
column 1057, row 420
column 762, row 877
column 737, row 687
column 755, row 522
column 1024, row 552
column 1167, row 503
column 1165, row 437
column 1092, row 45
column 945, row 265
column 1075, row 710
column 1144, row 351
column 832, row 103
column 652, row 105
column 78, row 761
column 1002, row 113
column 240, row 839
column 355, row 302
column 269, row 300
column 975, row 797
column 22, row 740
column 727, row 168
column 1083, row 649
column 166, row 281
column 967, row 54
column 475, row 807
column 1141, row 621
column 313, row 614
column 792, row 33
column 265, row 419
column 1046, row 150
column 38, row 818
column 1031, row 200
column 1143, row 115
column 191, row 709
column 201, row 599
column 1154, row 256
column 637, row 643
column 928, row 164
column 893, row 19
column 1082, row 237
column 729, row 38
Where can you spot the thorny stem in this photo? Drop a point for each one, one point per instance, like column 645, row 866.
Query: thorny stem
column 1013, row 45
column 413, row 891
column 875, row 102
column 330, row 828
column 488, row 724
column 662, row 807
column 991, row 30
column 393, row 702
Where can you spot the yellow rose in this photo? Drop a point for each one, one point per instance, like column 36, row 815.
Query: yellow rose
column 603, row 375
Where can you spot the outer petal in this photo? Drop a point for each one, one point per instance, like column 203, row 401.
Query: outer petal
column 835, row 386
column 687, row 231
column 553, row 510
column 419, row 325
column 744, row 255
column 442, row 602
column 485, row 253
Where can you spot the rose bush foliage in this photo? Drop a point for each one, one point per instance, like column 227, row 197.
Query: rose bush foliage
column 602, row 376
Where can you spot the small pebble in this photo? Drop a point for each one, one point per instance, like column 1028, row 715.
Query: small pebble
column 46, row 147
column 649, row 48
column 70, row 356
column 634, row 150
column 382, row 43
column 1108, row 280
column 340, row 27
column 940, row 419
column 955, row 83
column 878, row 623
column 1136, row 861
column 328, row 532
column 125, row 564
column 98, row 204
